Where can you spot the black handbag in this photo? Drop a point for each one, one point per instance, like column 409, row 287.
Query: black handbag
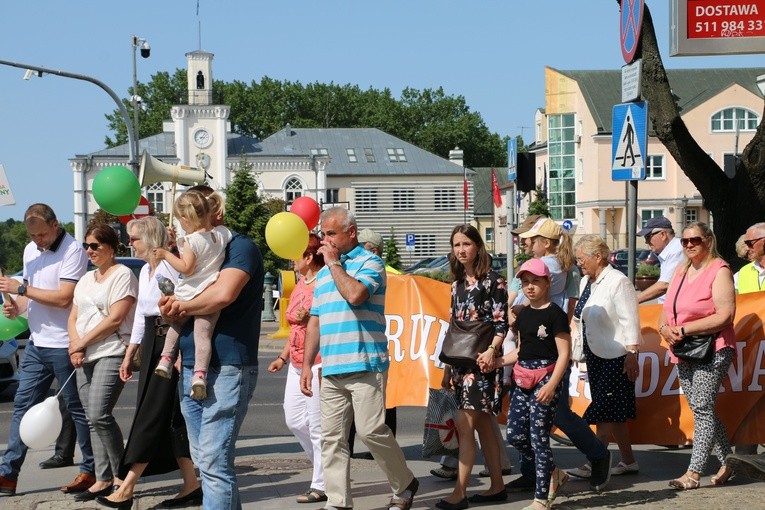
column 693, row 348
column 464, row 341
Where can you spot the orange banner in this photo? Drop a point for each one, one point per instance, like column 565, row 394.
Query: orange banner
column 417, row 315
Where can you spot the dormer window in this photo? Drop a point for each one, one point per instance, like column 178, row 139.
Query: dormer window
column 731, row 120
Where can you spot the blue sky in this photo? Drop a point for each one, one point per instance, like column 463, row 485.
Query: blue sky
column 493, row 52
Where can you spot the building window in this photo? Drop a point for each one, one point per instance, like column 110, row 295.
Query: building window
column 396, row 156
column 489, row 235
column 319, row 152
column 332, row 196
column 351, row 155
column 403, row 200
column 447, row 199
column 561, row 194
column 691, row 215
column 155, row 194
column 293, row 190
column 370, row 155
column 366, row 199
column 647, row 214
column 654, row 167
column 425, row 246
column 732, row 119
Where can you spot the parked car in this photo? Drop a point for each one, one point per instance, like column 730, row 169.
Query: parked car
column 438, row 264
column 618, row 259
column 9, row 363
column 420, row 263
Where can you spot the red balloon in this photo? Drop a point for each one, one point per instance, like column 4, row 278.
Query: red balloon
column 308, row 210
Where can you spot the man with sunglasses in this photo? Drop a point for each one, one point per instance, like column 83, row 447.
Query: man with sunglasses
column 750, row 277
column 53, row 264
column 660, row 238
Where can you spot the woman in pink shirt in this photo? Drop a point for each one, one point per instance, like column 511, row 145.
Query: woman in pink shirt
column 701, row 300
column 302, row 413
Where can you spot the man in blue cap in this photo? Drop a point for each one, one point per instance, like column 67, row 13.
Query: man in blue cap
column 660, row 238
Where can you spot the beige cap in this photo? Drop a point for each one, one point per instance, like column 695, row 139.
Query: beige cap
column 370, row 236
column 544, row 227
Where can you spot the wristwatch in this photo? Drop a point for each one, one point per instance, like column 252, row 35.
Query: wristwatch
column 633, row 351
column 22, row 290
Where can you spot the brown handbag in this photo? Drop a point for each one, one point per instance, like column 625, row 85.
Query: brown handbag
column 464, row 341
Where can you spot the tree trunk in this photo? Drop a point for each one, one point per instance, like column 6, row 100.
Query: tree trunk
column 735, row 203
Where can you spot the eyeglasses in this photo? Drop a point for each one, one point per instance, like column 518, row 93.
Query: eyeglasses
column 92, row 246
column 693, row 241
column 751, row 242
column 650, row 235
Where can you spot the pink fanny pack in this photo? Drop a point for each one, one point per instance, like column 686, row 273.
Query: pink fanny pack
column 528, row 378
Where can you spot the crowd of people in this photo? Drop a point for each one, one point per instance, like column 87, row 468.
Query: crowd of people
column 189, row 324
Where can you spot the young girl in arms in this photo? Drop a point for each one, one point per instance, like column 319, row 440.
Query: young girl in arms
column 540, row 362
column 202, row 252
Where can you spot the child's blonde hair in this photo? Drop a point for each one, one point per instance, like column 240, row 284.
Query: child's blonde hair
column 198, row 209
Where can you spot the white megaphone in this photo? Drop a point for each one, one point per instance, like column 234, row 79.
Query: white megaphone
column 153, row 170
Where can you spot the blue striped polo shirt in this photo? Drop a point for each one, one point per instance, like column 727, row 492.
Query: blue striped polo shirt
column 352, row 338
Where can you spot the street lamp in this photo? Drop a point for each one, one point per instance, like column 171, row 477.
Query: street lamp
column 121, row 107
column 136, row 99
column 685, row 214
column 760, row 80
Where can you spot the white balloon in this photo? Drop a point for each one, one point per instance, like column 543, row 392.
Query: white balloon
column 41, row 425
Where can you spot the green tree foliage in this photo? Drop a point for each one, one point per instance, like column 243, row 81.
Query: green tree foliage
column 539, row 205
column 13, row 239
column 392, row 258
column 248, row 214
column 428, row 118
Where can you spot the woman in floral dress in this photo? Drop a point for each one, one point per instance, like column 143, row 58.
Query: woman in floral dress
column 478, row 293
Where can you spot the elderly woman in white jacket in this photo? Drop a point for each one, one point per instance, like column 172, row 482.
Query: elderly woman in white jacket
column 607, row 313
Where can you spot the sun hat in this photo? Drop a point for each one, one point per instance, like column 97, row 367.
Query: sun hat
column 544, row 227
column 370, row 236
column 527, row 224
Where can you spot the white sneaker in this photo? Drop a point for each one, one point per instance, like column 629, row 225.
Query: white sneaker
column 584, row 471
column 625, row 469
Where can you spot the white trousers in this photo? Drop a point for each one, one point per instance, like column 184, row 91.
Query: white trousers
column 303, row 417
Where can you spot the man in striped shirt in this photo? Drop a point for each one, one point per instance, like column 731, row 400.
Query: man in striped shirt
column 347, row 325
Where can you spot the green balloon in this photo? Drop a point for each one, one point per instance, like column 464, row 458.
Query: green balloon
column 116, row 190
column 11, row 328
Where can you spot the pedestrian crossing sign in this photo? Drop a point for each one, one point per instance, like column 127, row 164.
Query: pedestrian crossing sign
column 629, row 141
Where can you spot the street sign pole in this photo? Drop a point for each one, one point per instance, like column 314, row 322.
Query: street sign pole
column 632, row 198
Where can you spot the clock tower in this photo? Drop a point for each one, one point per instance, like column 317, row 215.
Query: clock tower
column 200, row 126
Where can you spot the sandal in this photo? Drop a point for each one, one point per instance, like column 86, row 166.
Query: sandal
column 545, row 504
column 402, row 503
column 685, row 484
column 558, row 480
column 723, row 476
column 312, row 496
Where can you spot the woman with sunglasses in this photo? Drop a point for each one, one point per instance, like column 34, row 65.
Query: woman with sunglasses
column 99, row 329
column 701, row 301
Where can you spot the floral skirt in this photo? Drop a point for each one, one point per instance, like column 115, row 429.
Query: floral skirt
column 477, row 391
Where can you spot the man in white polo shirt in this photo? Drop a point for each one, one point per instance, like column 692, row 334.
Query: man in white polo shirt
column 53, row 263
column 660, row 238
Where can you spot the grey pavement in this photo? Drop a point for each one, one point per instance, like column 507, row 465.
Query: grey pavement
column 272, row 471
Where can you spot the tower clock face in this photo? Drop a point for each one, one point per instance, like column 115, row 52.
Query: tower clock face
column 202, row 138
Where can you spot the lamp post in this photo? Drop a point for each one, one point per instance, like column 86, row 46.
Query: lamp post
column 136, row 99
column 123, row 111
column 684, row 218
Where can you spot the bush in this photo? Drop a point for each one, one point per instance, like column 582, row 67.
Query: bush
column 648, row 270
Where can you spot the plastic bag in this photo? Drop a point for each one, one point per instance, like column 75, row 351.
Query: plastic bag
column 440, row 437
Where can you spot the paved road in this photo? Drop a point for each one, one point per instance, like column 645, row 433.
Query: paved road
column 273, row 470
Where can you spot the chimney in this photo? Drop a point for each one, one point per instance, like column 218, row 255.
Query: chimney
column 456, row 156
column 288, row 130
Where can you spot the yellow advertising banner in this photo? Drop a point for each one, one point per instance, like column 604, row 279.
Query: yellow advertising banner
column 417, row 316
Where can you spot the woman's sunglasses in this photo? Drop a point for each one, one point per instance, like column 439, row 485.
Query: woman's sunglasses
column 92, row 246
column 693, row 241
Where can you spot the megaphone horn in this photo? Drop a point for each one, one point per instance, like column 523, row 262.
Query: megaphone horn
column 153, row 170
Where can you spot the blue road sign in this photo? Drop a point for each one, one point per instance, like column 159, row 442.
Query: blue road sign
column 629, row 136
column 512, row 159
column 410, row 239
column 630, row 21
column 567, row 225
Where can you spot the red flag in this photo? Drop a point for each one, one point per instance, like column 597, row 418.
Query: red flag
column 495, row 189
column 465, row 189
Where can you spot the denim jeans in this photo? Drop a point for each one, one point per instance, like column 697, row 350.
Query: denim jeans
column 38, row 368
column 574, row 426
column 213, row 425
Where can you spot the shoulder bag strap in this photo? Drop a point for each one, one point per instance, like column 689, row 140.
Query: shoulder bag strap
column 677, row 293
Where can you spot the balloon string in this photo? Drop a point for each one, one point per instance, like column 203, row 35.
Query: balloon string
column 67, row 380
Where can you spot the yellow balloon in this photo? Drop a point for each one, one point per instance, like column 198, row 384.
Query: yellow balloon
column 287, row 235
